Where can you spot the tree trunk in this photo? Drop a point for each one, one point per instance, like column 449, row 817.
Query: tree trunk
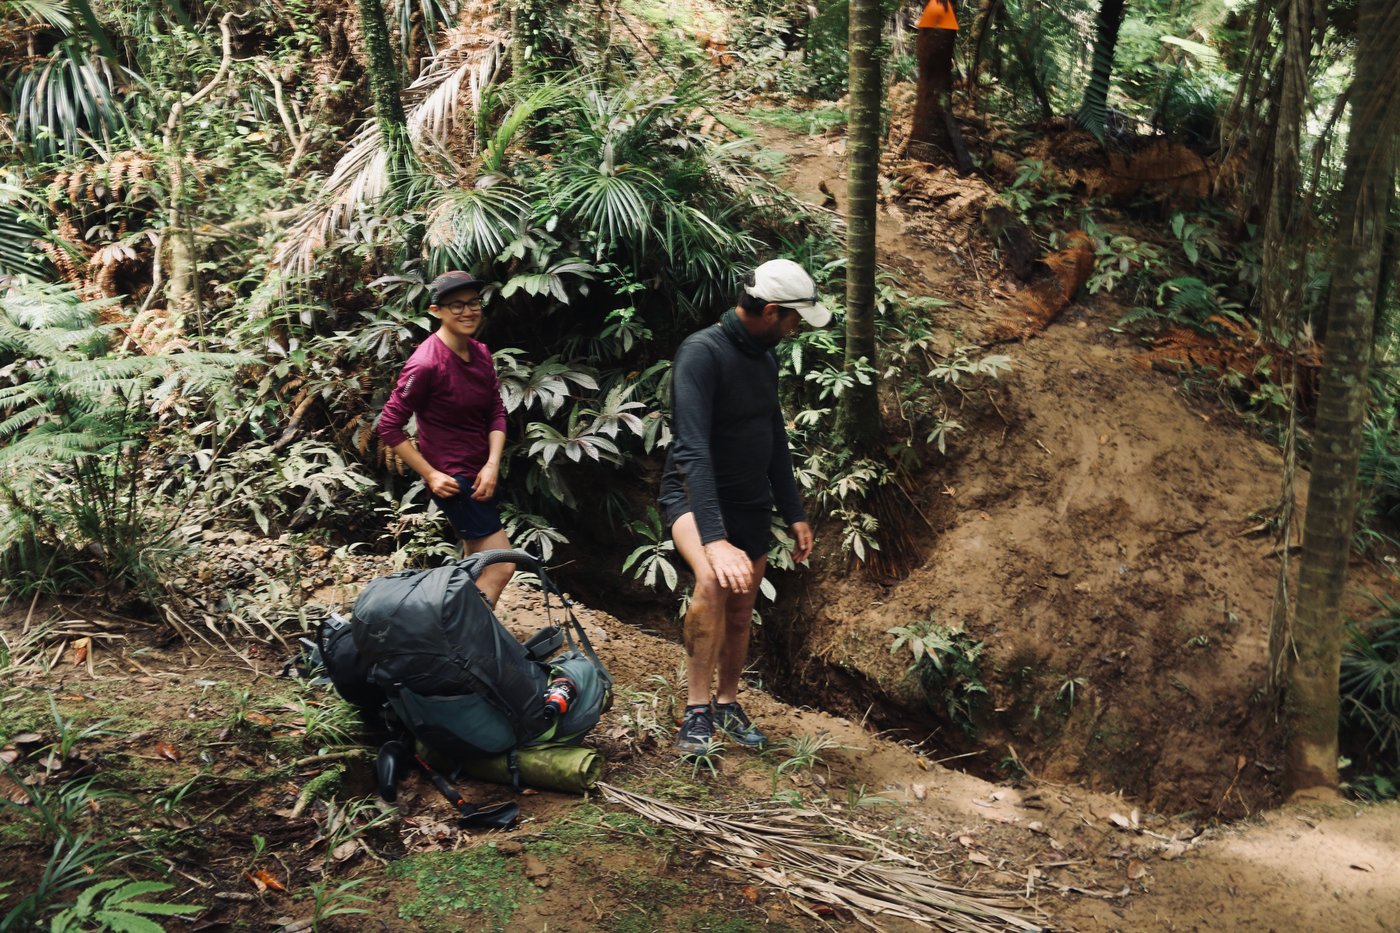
column 1312, row 703
column 858, row 420
column 934, row 136
column 383, row 77
column 1093, row 113
column 1285, row 226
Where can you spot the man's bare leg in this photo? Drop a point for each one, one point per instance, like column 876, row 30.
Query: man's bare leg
column 494, row 578
column 704, row 619
column 734, row 647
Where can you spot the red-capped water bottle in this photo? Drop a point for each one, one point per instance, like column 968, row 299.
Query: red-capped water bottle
column 557, row 698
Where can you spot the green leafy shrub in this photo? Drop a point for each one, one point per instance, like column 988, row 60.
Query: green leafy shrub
column 75, row 418
column 1370, row 688
column 946, row 662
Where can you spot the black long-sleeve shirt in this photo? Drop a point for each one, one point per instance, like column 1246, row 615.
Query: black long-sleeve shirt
column 729, row 441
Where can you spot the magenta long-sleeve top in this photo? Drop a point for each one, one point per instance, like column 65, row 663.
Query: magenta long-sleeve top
column 458, row 404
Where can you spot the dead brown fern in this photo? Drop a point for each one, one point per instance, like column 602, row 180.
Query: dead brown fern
column 1061, row 276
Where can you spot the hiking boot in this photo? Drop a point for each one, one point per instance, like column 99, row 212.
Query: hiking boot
column 697, row 730
column 733, row 723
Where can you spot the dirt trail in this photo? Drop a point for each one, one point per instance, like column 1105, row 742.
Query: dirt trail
column 188, row 717
column 1293, row 869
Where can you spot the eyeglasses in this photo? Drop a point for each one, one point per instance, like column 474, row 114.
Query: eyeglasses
column 460, row 308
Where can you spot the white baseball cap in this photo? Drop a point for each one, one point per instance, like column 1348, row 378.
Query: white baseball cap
column 784, row 282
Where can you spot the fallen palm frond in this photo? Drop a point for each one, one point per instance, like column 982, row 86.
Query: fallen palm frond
column 815, row 857
column 361, row 177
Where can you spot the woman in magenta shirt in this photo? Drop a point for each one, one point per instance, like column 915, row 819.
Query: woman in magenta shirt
column 450, row 384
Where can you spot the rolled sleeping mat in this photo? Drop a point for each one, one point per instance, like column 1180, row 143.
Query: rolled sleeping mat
column 569, row 768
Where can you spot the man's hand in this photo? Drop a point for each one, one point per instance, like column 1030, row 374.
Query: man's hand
column 731, row 565
column 442, row 485
column 484, row 486
column 804, row 539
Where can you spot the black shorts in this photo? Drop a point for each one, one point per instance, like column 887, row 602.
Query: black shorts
column 749, row 530
column 470, row 519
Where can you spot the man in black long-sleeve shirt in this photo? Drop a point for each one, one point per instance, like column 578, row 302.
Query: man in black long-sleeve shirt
column 729, row 464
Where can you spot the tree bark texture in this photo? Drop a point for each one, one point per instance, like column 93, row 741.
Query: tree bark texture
column 1093, row 112
column 934, row 136
column 858, row 420
column 1312, row 705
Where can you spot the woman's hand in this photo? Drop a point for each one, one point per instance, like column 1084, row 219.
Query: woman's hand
column 484, row 486
column 443, row 485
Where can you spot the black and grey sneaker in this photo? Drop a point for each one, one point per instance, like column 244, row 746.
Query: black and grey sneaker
column 733, row 723
column 697, row 730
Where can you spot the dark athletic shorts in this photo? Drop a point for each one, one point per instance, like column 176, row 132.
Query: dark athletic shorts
column 469, row 518
column 750, row 530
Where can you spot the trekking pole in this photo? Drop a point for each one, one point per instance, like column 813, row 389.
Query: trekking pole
column 497, row 816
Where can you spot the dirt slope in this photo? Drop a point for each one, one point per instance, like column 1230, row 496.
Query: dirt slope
column 1096, row 529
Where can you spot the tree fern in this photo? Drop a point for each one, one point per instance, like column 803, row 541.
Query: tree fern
column 73, row 423
column 1093, row 112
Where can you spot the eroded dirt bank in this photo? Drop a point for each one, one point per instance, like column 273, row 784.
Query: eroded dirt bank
column 1094, row 533
column 1095, row 528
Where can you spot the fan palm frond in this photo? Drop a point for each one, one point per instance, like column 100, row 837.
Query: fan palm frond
column 434, row 15
column 493, row 154
column 475, row 224
column 67, row 94
column 362, row 176
column 54, row 13
column 17, row 236
column 615, row 201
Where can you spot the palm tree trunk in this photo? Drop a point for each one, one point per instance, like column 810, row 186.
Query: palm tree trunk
column 1285, row 233
column 1312, row 703
column 934, row 135
column 858, row 420
column 1093, row 113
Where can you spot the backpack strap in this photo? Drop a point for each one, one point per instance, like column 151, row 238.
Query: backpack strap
column 479, row 561
column 588, row 651
column 473, row 564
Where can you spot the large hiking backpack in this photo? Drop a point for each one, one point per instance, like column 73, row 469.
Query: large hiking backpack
column 425, row 647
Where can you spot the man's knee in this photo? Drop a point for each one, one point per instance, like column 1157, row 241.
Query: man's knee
column 707, row 591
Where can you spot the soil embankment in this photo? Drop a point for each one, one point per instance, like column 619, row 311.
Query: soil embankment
column 1101, row 533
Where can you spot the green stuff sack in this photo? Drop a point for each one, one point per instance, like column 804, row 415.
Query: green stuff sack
column 569, row 768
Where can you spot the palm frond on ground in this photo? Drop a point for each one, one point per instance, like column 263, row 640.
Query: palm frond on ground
column 830, row 862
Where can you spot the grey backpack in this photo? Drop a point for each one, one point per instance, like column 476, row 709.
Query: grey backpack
column 426, row 645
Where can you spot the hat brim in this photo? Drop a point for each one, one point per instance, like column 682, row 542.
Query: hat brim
column 450, row 282
column 815, row 314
